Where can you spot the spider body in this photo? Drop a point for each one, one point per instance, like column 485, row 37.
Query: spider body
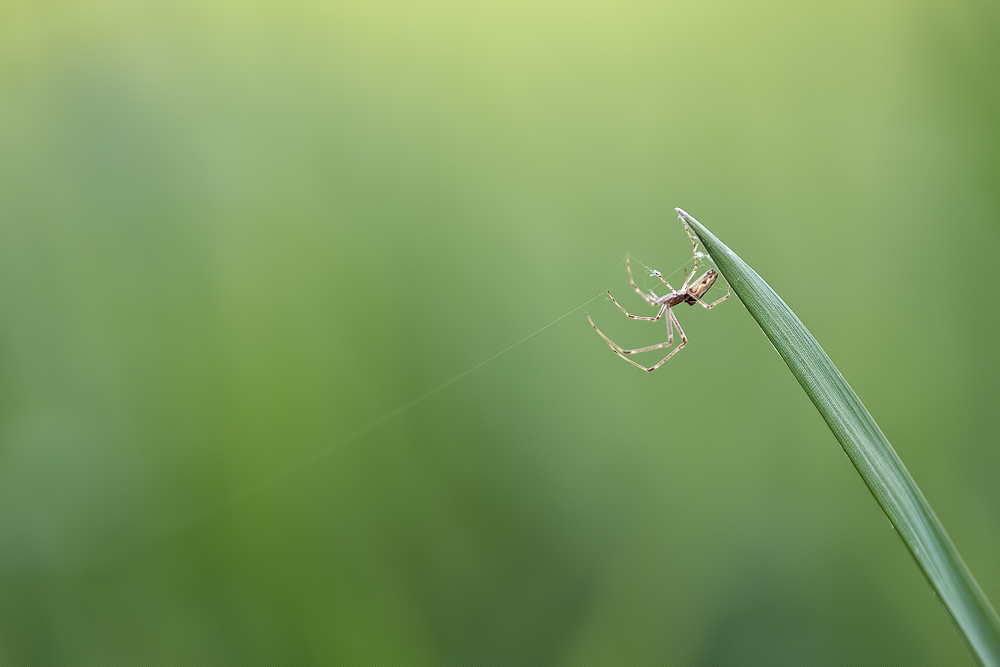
column 689, row 293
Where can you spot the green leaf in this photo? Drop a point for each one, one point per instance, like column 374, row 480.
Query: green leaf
column 868, row 448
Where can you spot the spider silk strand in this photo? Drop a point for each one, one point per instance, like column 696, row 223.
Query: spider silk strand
column 287, row 471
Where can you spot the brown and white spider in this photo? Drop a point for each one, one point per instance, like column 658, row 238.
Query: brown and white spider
column 689, row 293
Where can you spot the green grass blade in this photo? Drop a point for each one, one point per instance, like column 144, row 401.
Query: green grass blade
column 867, row 447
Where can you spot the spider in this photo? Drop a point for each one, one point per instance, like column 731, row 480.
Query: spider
column 689, row 293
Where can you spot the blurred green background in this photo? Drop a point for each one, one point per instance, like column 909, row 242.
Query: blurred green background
column 233, row 234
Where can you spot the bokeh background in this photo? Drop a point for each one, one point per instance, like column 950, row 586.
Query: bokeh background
column 237, row 238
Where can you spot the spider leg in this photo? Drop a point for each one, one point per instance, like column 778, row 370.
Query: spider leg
column 660, row 276
column 684, row 341
column 636, row 317
column 709, row 306
column 694, row 251
column 638, row 291
column 617, row 349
